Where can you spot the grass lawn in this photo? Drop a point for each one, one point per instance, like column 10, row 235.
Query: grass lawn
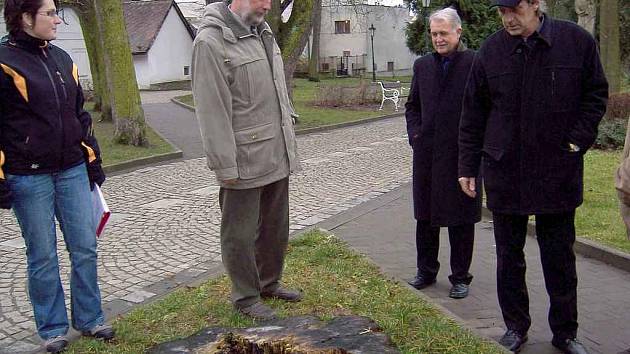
column 115, row 153
column 304, row 93
column 598, row 218
column 335, row 281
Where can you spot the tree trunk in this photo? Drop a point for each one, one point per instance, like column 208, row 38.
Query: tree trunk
column 121, row 82
column 313, row 64
column 293, row 36
column 586, row 11
column 94, row 46
column 609, row 43
column 273, row 17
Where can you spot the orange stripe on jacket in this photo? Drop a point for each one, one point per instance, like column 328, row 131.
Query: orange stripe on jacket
column 91, row 154
column 18, row 80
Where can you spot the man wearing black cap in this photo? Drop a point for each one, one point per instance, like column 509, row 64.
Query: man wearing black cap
column 532, row 105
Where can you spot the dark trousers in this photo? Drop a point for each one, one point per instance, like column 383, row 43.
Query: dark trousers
column 461, row 238
column 254, row 237
column 555, row 234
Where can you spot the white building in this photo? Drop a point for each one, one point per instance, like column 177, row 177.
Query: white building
column 160, row 39
column 346, row 43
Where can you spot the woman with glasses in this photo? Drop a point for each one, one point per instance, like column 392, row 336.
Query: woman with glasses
column 49, row 161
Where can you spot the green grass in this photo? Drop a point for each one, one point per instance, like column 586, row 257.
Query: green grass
column 304, row 94
column 335, row 281
column 112, row 153
column 598, row 218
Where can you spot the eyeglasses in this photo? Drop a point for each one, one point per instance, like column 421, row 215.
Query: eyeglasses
column 51, row 13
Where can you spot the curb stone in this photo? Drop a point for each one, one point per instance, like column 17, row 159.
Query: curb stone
column 146, row 161
column 143, row 161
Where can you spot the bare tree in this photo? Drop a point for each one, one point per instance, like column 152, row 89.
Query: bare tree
column 313, row 63
column 609, row 42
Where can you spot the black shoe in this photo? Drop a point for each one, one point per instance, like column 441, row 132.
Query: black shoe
column 283, row 293
column 513, row 340
column 102, row 332
column 258, row 311
column 459, row 291
column 56, row 344
column 420, row 282
column 569, row 346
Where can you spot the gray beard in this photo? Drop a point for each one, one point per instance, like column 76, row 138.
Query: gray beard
column 253, row 20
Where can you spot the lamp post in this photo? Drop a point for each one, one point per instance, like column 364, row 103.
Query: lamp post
column 372, row 30
column 425, row 6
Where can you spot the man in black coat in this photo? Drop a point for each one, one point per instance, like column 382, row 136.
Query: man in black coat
column 432, row 112
column 534, row 99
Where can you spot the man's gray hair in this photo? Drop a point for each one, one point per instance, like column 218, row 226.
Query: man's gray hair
column 449, row 15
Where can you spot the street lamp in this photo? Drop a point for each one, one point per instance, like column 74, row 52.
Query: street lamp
column 372, row 30
column 425, row 6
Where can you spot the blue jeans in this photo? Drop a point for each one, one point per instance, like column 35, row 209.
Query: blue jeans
column 37, row 199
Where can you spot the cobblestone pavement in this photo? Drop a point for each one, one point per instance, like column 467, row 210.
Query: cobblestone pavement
column 166, row 218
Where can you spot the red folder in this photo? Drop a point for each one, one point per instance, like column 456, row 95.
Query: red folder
column 101, row 210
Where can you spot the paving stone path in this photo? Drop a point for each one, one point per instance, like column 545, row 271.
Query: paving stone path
column 166, row 218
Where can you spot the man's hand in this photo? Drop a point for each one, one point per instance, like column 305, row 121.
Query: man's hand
column 468, row 186
column 231, row 182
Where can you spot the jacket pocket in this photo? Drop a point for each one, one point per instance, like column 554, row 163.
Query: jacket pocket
column 566, row 83
column 255, row 151
column 243, row 84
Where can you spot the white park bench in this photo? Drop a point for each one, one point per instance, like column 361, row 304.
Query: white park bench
column 391, row 91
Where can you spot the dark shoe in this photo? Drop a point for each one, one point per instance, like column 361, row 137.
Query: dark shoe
column 569, row 346
column 258, row 311
column 420, row 282
column 283, row 293
column 513, row 340
column 101, row 332
column 56, row 344
column 459, row 291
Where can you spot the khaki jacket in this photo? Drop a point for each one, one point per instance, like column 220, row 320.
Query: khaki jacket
column 241, row 100
column 622, row 182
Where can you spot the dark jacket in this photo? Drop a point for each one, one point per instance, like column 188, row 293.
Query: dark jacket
column 432, row 111
column 524, row 105
column 42, row 121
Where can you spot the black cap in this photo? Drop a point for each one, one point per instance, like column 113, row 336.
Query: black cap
column 505, row 3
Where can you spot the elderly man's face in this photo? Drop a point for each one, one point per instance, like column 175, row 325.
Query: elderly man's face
column 521, row 20
column 444, row 36
column 255, row 11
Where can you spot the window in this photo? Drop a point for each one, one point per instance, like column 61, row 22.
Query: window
column 325, row 67
column 186, row 70
column 390, row 66
column 342, row 26
column 346, row 53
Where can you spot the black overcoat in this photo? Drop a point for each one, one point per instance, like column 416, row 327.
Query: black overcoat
column 432, row 113
column 525, row 103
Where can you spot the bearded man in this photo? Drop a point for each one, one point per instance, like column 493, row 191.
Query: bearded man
column 246, row 123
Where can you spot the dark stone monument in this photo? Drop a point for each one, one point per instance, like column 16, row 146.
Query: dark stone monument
column 294, row 335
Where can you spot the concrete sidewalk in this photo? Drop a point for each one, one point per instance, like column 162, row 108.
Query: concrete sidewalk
column 383, row 229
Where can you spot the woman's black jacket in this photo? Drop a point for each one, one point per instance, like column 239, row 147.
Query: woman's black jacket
column 43, row 126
